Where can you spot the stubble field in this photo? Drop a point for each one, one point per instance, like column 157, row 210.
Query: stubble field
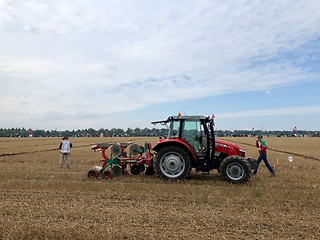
column 40, row 201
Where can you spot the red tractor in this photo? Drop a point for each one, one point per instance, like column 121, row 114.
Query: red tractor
column 191, row 143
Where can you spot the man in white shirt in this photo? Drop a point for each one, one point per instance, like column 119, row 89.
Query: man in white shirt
column 65, row 148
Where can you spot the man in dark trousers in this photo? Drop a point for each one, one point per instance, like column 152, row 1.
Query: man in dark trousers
column 261, row 144
column 65, row 148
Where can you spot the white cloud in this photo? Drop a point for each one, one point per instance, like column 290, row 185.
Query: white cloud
column 289, row 111
column 58, row 56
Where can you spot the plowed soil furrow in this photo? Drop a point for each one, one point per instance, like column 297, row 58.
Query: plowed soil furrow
column 39, row 151
column 280, row 151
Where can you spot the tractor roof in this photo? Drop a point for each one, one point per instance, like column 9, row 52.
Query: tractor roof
column 173, row 118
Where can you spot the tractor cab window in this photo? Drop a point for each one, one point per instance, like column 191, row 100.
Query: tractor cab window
column 174, row 129
column 193, row 133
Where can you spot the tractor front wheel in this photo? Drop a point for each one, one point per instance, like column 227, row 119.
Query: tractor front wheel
column 172, row 163
column 235, row 169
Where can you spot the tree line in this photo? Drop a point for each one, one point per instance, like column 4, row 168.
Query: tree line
column 90, row 132
column 137, row 132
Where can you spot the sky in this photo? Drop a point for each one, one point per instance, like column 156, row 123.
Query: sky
column 69, row 65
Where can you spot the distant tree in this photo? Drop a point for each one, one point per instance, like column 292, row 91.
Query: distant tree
column 91, row 132
column 38, row 133
column 137, row 132
column 129, row 132
column 22, row 132
column 119, row 132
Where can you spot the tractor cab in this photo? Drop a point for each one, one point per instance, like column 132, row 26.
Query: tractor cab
column 196, row 133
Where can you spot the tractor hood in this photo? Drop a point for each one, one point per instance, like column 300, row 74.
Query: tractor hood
column 231, row 148
column 222, row 142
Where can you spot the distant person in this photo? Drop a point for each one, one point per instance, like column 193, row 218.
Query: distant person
column 65, row 148
column 261, row 144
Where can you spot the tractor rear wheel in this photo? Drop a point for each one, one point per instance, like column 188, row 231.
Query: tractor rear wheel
column 235, row 169
column 172, row 163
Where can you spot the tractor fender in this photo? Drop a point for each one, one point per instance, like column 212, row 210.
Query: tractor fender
column 176, row 142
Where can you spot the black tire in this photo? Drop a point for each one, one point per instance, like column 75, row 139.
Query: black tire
column 172, row 163
column 149, row 170
column 253, row 163
column 235, row 169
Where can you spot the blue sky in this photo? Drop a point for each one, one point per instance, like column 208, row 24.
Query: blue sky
column 80, row 64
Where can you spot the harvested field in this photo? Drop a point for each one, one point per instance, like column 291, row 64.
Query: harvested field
column 40, row 201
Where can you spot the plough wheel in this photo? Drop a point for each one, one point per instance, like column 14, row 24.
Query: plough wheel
column 117, row 170
column 92, row 174
column 137, row 169
column 115, row 150
column 135, row 149
column 107, row 175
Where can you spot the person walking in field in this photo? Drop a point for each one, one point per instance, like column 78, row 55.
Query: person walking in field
column 261, row 144
column 65, row 149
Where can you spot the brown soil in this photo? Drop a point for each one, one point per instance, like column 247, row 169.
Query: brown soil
column 40, row 201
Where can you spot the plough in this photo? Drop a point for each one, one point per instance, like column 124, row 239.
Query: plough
column 191, row 144
column 122, row 158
